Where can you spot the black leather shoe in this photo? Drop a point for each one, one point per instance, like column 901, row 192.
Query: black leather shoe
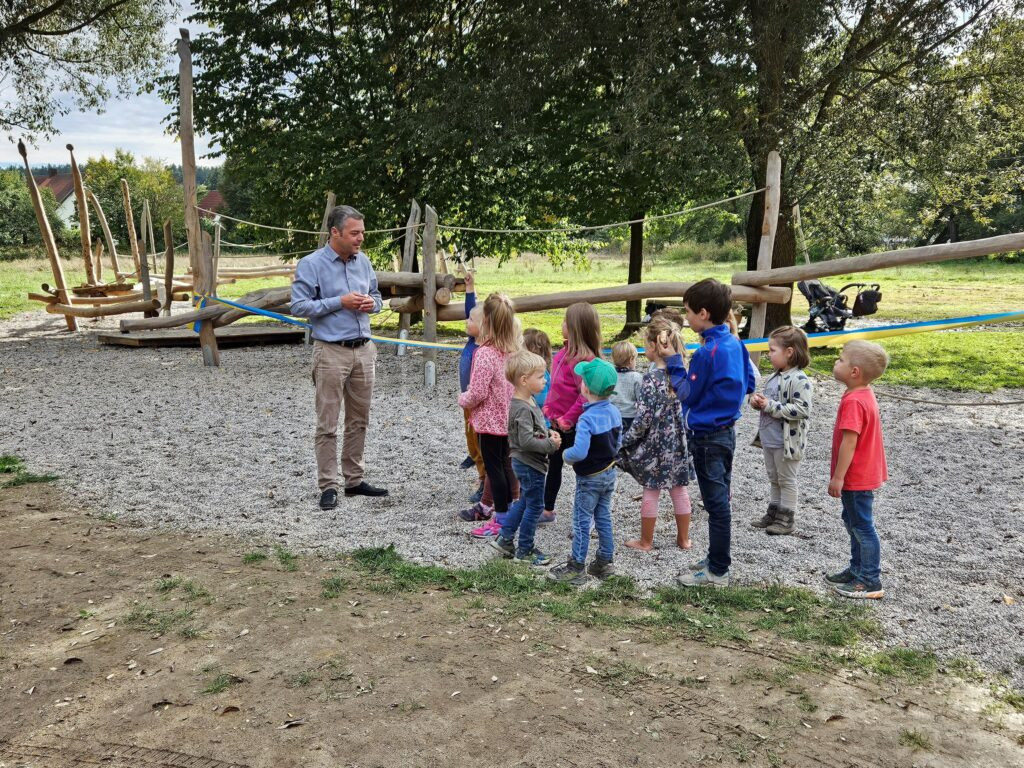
column 329, row 499
column 365, row 489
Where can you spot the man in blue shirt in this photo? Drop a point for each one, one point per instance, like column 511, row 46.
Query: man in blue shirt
column 336, row 288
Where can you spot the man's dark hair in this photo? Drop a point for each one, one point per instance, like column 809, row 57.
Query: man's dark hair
column 339, row 215
column 711, row 295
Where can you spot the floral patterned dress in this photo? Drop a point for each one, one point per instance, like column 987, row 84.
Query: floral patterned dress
column 654, row 449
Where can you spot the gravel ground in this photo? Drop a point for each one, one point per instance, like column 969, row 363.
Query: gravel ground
column 153, row 437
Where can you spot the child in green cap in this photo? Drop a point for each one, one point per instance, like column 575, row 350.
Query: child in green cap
column 598, row 435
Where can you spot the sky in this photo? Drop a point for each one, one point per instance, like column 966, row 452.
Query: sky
column 133, row 123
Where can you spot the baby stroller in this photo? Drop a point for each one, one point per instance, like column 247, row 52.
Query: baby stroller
column 830, row 309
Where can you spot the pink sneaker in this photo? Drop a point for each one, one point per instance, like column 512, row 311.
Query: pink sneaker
column 487, row 530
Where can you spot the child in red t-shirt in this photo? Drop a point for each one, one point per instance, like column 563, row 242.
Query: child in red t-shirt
column 858, row 467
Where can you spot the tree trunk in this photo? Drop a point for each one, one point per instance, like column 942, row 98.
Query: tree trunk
column 636, row 270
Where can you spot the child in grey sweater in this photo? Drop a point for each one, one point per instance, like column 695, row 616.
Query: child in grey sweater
column 530, row 442
column 627, row 389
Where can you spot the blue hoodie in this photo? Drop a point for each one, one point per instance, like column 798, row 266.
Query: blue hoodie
column 466, row 358
column 598, row 438
column 719, row 378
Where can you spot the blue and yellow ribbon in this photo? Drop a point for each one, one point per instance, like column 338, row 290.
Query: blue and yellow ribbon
column 827, row 339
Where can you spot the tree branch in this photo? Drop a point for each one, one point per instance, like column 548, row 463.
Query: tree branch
column 71, row 30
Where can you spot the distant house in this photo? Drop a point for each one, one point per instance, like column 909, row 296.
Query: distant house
column 212, row 201
column 63, row 187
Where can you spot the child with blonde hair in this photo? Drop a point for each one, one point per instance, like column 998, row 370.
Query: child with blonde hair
column 530, row 443
column 858, row 467
column 785, row 407
column 654, row 449
column 488, row 395
column 627, row 387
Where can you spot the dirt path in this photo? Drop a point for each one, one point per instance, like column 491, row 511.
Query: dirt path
column 125, row 647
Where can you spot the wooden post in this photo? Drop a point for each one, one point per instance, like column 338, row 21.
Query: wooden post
column 153, row 235
column 97, row 260
column 799, row 230
column 215, row 264
column 321, row 240
column 429, row 289
column 168, row 267
column 186, row 133
column 98, row 210
column 204, row 287
column 48, row 240
column 83, row 218
column 141, row 267
column 408, row 252
column 772, row 195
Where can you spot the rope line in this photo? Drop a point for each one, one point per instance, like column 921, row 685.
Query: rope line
column 603, row 226
column 290, row 229
column 454, row 228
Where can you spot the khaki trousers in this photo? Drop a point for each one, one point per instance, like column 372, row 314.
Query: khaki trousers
column 783, row 478
column 473, row 445
column 342, row 375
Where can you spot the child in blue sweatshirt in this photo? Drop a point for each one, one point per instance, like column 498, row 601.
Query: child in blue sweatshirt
column 712, row 392
column 593, row 454
column 465, row 366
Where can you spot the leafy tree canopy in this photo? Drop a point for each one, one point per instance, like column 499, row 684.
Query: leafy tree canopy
column 60, row 55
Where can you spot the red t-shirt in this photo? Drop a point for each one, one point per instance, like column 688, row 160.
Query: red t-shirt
column 858, row 412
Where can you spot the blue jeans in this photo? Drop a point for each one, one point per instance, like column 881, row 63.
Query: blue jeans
column 712, row 458
column 593, row 502
column 524, row 513
column 865, row 548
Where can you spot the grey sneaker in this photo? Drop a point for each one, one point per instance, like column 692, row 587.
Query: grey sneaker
column 535, row 558
column 601, row 568
column 507, row 547
column 571, row 572
column 858, row 590
column 845, row 576
column 704, row 578
column 767, row 518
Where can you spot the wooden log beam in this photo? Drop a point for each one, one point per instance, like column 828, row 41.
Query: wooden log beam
column 148, row 324
column 925, row 254
column 120, row 308
column 98, row 210
column 140, row 269
column 48, row 239
column 83, row 218
column 89, row 301
column 615, row 293
column 274, row 298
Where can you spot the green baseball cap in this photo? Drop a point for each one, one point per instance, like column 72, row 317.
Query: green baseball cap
column 599, row 376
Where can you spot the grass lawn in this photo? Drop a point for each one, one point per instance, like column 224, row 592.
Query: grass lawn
column 978, row 360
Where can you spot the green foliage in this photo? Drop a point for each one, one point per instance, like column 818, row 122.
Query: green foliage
column 150, row 180
column 903, row 664
column 18, row 224
column 60, row 56
column 18, row 475
column 253, row 557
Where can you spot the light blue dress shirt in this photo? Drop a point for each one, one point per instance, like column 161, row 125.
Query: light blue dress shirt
column 321, row 279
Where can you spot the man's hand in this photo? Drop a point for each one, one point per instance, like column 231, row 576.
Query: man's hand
column 357, row 302
column 835, row 487
column 556, row 439
column 758, row 401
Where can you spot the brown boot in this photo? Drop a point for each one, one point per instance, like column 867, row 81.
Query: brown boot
column 783, row 525
column 767, row 518
column 646, row 541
